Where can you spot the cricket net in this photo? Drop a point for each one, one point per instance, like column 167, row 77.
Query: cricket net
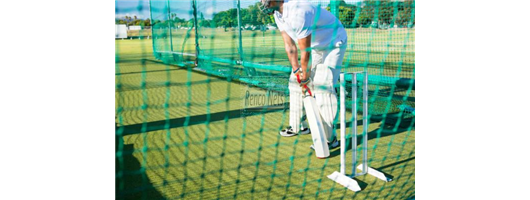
column 202, row 94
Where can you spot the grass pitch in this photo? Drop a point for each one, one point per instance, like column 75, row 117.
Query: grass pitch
column 182, row 135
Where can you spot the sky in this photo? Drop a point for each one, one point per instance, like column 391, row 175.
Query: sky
column 182, row 8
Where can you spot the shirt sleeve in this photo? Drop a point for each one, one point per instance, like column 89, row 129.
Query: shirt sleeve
column 302, row 23
column 278, row 23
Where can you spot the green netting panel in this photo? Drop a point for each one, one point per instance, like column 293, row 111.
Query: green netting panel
column 200, row 102
column 172, row 31
column 381, row 39
column 218, row 37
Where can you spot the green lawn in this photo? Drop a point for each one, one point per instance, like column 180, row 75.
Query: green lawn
column 181, row 134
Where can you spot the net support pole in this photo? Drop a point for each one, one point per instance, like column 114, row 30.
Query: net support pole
column 240, row 39
column 248, row 70
column 170, row 21
column 152, row 30
column 196, row 24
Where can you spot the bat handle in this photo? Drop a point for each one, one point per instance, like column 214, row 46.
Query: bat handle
column 307, row 88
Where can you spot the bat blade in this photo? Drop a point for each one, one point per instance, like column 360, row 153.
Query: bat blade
column 317, row 128
column 315, row 123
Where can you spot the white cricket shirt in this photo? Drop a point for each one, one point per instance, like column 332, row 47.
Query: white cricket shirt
column 300, row 18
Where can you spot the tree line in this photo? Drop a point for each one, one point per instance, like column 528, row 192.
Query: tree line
column 377, row 13
column 133, row 21
column 369, row 13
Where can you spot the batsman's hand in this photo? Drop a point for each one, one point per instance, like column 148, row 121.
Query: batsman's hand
column 304, row 91
column 304, row 79
column 297, row 72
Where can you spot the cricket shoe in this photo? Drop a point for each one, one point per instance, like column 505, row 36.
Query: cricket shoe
column 289, row 132
column 333, row 144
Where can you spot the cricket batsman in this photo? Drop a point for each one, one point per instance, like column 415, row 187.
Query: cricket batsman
column 321, row 37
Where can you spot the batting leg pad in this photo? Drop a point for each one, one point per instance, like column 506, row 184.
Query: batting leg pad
column 327, row 104
column 324, row 80
column 295, row 110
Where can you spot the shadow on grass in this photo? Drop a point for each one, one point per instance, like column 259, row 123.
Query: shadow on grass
column 396, row 163
column 131, row 180
column 140, row 72
column 192, row 120
column 391, row 126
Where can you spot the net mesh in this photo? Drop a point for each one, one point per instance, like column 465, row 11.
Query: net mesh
column 201, row 94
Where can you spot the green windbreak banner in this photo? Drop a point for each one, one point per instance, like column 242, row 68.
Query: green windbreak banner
column 202, row 94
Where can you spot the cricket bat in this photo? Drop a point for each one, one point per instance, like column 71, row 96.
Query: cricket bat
column 315, row 123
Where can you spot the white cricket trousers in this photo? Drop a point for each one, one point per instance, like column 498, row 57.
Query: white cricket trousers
column 325, row 72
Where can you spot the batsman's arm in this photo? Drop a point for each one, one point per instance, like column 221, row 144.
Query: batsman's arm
column 305, row 53
column 292, row 51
